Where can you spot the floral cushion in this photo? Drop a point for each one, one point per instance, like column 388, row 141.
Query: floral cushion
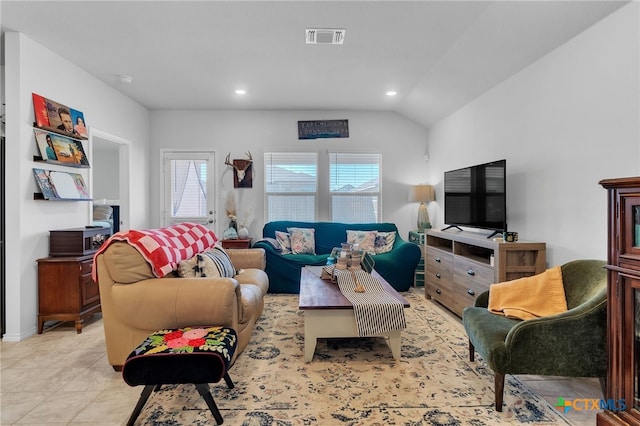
column 302, row 240
column 285, row 242
column 384, row 241
column 160, row 358
column 365, row 239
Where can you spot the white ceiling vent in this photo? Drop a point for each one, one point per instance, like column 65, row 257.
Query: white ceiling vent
column 324, row 35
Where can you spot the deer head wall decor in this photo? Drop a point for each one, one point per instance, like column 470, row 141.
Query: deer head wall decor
column 242, row 171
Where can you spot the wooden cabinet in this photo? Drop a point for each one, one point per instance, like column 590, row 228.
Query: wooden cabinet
column 236, row 244
column 461, row 265
column 66, row 291
column 623, row 303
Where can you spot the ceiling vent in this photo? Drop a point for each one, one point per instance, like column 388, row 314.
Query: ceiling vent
column 324, row 35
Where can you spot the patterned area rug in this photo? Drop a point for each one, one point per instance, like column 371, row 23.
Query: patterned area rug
column 354, row 381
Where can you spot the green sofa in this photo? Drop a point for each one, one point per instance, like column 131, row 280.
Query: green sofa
column 397, row 266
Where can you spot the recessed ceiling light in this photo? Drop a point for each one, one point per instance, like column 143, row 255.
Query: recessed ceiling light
column 125, row 79
column 241, row 92
column 391, row 93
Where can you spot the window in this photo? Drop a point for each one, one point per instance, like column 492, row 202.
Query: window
column 188, row 188
column 291, row 185
column 355, row 187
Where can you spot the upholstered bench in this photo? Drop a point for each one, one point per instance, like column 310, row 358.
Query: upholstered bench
column 198, row 355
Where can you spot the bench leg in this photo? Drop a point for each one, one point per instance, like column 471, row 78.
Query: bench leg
column 203, row 389
column 472, row 351
column 228, row 381
column 144, row 396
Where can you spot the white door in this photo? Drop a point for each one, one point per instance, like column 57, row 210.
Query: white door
column 189, row 192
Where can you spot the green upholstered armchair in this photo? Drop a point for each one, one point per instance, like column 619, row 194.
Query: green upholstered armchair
column 570, row 344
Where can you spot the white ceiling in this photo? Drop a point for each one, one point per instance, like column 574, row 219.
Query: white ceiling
column 438, row 55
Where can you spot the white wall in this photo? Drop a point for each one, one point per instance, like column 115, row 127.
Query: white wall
column 31, row 68
column 106, row 171
column 401, row 142
column 563, row 124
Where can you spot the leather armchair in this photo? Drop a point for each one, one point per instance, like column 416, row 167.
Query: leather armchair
column 569, row 344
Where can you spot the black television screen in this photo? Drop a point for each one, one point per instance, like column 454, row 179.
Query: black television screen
column 475, row 196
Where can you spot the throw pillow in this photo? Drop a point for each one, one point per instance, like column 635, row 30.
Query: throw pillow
column 214, row 263
column 302, row 240
column 221, row 261
column 272, row 242
column 384, row 241
column 195, row 267
column 365, row 239
column 102, row 212
column 285, row 242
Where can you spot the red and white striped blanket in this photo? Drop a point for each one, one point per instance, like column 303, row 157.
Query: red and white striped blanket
column 164, row 248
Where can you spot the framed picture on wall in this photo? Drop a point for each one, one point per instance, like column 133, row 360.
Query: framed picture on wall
column 40, row 110
column 44, row 140
column 45, row 185
column 69, row 151
column 59, row 117
column 55, row 147
column 56, row 185
column 79, row 128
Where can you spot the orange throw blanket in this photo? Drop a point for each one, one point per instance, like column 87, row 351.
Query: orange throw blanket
column 530, row 297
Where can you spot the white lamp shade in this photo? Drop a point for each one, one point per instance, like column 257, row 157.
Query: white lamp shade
column 421, row 193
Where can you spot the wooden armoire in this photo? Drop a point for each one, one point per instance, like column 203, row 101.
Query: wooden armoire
column 623, row 303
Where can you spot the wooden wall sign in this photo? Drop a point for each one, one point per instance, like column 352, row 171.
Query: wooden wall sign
column 323, row 129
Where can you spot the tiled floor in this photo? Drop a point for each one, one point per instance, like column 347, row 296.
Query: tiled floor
column 61, row 377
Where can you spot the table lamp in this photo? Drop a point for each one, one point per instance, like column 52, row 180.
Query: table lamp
column 423, row 194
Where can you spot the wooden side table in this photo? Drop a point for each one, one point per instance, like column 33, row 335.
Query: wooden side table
column 237, row 243
column 66, row 291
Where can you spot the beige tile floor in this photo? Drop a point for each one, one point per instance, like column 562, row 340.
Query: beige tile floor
column 60, row 377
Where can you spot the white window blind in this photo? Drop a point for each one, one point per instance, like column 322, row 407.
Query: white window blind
column 291, row 185
column 188, row 188
column 355, row 187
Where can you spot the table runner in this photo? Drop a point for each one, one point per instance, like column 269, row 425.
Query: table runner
column 375, row 310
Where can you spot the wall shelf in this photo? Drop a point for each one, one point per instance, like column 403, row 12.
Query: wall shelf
column 39, row 159
column 60, row 132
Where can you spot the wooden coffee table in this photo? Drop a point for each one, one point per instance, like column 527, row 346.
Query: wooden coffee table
column 328, row 314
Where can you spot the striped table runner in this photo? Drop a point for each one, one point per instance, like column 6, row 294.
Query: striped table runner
column 376, row 311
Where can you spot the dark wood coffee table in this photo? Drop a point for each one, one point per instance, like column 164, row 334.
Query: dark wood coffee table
column 327, row 313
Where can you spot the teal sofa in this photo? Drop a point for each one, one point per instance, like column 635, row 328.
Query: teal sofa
column 397, row 266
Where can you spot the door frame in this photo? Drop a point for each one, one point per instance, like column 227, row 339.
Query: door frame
column 214, row 199
column 124, row 190
column 3, row 268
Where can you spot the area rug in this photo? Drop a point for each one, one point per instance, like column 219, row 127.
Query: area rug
column 354, row 381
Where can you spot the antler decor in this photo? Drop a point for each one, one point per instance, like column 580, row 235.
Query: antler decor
column 242, row 177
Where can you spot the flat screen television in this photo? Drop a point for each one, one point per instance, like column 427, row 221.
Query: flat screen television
column 475, row 197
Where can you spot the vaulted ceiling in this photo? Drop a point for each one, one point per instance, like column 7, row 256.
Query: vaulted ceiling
column 437, row 55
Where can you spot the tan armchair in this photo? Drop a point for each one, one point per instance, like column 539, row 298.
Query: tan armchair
column 135, row 303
